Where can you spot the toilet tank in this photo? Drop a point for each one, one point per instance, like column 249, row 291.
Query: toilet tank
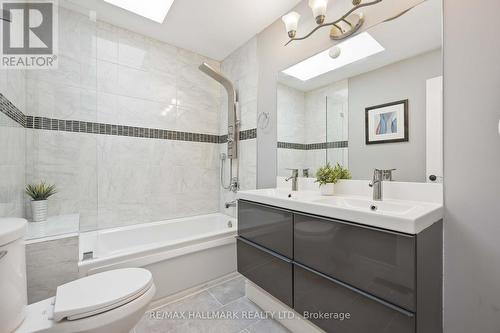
column 12, row 273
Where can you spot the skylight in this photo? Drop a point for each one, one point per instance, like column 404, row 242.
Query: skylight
column 353, row 49
column 155, row 10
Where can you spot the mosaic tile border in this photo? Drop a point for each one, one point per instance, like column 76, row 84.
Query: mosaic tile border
column 119, row 130
column 78, row 126
column 313, row 146
column 11, row 111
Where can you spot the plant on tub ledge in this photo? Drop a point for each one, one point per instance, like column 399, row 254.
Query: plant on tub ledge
column 39, row 194
column 327, row 176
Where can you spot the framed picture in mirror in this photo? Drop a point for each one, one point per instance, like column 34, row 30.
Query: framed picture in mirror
column 387, row 123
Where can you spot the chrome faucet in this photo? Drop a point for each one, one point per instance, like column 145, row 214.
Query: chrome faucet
column 378, row 177
column 376, row 184
column 294, row 177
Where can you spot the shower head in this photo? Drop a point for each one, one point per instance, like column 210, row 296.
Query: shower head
column 232, row 105
column 226, row 83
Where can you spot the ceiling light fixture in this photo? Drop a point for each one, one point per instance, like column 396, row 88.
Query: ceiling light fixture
column 356, row 48
column 291, row 21
column 345, row 26
column 155, row 10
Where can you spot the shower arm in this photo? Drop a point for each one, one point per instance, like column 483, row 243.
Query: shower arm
column 232, row 106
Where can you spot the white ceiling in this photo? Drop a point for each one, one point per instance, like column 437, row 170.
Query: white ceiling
column 416, row 32
column 213, row 28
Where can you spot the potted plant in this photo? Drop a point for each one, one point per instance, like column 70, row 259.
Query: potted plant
column 327, row 176
column 39, row 194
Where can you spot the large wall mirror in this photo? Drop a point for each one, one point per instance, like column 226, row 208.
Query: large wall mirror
column 372, row 101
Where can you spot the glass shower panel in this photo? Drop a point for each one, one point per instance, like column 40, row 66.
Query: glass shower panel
column 337, row 124
column 61, row 105
column 316, row 129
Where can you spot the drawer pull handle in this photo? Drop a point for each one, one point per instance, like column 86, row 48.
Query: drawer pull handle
column 263, row 249
column 373, row 298
column 3, row 254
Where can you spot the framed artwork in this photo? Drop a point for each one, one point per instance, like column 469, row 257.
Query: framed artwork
column 387, row 123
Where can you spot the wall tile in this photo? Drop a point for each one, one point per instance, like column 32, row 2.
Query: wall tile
column 68, row 160
column 50, row 264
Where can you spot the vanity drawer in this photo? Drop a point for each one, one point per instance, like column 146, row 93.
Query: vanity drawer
column 316, row 293
column 266, row 269
column 378, row 262
column 266, row 226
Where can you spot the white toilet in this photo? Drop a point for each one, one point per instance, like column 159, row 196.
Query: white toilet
column 108, row 302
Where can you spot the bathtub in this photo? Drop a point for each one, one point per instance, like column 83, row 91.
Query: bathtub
column 182, row 253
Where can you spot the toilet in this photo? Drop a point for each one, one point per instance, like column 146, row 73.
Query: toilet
column 108, row 302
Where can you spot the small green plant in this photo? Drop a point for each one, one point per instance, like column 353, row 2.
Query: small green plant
column 40, row 191
column 328, row 174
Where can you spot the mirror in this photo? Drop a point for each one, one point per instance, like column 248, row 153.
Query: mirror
column 372, row 101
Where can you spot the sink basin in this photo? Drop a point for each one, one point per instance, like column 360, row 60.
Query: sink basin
column 368, row 205
column 288, row 194
column 382, row 206
column 405, row 216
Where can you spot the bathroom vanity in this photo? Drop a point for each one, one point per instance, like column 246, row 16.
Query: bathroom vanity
column 325, row 255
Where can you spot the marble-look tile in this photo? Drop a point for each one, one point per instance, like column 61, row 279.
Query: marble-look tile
column 132, row 49
column 267, row 326
column 50, row 264
column 162, row 57
column 61, row 101
column 12, row 85
column 291, row 114
column 292, row 159
column 68, row 160
column 248, row 115
column 229, row 291
column 76, row 35
column 12, row 147
column 107, row 42
column 111, row 75
column 248, row 164
column 240, row 308
column 226, row 298
column 247, row 87
column 156, row 322
column 242, row 61
column 68, row 73
column 169, row 179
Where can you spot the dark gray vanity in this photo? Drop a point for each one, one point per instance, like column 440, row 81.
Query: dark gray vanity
column 389, row 282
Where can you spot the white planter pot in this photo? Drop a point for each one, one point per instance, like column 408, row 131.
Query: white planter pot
column 39, row 210
column 327, row 189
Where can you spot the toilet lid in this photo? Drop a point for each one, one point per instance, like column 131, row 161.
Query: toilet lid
column 101, row 292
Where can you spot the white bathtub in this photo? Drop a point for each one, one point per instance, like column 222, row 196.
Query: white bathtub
column 181, row 253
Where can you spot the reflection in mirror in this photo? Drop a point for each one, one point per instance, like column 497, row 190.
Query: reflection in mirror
column 374, row 101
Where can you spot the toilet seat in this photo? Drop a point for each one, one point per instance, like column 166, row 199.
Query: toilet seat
column 101, row 292
column 116, row 310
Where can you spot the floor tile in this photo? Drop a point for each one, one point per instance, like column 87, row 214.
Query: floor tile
column 156, row 321
column 229, row 291
column 225, row 310
column 267, row 326
column 240, row 308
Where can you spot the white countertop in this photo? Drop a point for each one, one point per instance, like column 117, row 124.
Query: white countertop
column 407, row 216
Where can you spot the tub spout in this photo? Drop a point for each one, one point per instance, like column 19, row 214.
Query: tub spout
column 230, row 204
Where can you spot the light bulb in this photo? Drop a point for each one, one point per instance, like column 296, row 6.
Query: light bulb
column 291, row 21
column 319, row 9
column 334, row 52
